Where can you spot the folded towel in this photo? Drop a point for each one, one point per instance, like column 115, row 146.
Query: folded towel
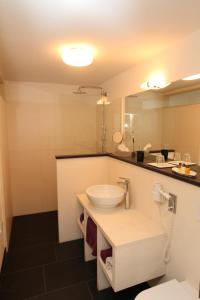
column 82, row 217
column 91, row 235
column 109, row 263
column 123, row 148
column 105, row 253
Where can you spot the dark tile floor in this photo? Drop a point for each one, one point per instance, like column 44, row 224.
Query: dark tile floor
column 37, row 267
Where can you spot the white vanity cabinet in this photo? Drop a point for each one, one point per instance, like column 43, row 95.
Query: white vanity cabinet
column 138, row 245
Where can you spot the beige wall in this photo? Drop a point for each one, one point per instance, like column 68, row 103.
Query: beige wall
column 4, row 173
column 176, row 62
column 44, row 120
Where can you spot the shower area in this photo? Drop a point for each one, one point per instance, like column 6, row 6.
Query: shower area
column 94, row 128
column 48, row 120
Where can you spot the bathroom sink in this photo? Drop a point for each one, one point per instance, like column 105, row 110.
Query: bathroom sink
column 105, row 195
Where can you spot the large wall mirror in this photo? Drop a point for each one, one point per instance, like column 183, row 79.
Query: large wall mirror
column 166, row 118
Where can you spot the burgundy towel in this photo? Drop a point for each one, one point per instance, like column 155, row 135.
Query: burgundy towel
column 82, row 217
column 106, row 253
column 91, row 236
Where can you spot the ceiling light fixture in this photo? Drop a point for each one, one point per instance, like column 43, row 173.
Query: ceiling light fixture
column 77, row 56
column 192, row 77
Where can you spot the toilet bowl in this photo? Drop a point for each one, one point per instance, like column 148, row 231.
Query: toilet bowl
column 171, row 290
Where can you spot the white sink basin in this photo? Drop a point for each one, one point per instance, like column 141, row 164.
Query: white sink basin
column 105, row 195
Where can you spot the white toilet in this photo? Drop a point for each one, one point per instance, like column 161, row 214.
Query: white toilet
column 171, row 290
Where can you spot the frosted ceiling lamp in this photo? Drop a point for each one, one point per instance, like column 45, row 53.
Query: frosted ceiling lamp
column 77, row 56
column 192, row 77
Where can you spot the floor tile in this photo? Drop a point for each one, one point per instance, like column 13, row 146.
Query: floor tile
column 34, row 229
column 63, row 274
column 70, row 250
column 28, row 257
column 9, row 295
column 109, row 294
column 76, row 292
column 23, row 284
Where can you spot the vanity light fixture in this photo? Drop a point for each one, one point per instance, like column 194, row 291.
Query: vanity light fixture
column 155, row 82
column 77, row 56
column 192, row 77
column 153, row 85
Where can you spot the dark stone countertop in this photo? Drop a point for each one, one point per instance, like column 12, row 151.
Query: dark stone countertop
column 81, row 155
column 150, row 158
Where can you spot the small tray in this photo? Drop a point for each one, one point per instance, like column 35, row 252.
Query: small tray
column 161, row 165
column 178, row 171
column 177, row 162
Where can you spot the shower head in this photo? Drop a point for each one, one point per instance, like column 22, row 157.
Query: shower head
column 81, row 87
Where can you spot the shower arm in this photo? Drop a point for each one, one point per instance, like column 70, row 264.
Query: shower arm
column 92, row 87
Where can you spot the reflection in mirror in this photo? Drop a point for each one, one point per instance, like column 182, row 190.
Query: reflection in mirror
column 166, row 118
column 108, row 122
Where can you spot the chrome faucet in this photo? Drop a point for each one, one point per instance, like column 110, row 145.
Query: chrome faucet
column 125, row 181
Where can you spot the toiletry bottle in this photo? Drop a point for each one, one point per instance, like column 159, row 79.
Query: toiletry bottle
column 179, row 166
column 187, row 170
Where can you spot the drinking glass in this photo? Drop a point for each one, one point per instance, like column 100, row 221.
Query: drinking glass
column 177, row 156
column 160, row 159
column 187, row 158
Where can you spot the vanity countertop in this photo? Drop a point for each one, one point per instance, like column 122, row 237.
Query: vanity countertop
column 163, row 171
column 150, row 158
column 121, row 226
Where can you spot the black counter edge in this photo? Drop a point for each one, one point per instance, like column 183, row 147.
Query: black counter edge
column 81, row 155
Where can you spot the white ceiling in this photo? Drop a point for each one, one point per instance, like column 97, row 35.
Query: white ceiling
column 123, row 32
